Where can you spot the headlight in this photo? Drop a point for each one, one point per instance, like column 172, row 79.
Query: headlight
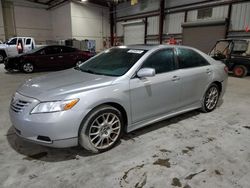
column 54, row 106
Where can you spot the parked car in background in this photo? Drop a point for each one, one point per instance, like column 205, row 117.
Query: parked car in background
column 119, row 90
column 16, row 46
column 47, row 58
column 235, row 53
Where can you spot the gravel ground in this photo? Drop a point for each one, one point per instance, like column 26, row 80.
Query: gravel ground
column 192, row 150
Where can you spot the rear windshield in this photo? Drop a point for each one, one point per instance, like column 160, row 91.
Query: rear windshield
column 113, row 62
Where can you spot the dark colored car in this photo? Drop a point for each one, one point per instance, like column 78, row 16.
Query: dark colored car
column 235, row 53
column 47, row 58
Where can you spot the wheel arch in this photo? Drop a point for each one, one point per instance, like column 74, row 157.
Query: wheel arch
column 218, row 84
column 112, row 104
column 3, row 52
column 23, row 61
column 121, row 109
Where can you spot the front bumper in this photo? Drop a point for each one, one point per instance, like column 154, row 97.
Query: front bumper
column 11, row 64
column 59, row 129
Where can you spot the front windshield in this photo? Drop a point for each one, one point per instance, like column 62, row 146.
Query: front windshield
column 221, row 48
column 113, row 62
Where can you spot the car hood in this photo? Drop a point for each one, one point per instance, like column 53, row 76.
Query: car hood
column 3, row 46
column 60, row 84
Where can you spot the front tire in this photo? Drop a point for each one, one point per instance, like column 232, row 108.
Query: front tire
column 101, row 129
column 2, row 57
column 211, row 98
column 28, row 67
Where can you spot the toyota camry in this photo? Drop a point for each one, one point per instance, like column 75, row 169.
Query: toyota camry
column 119, row 90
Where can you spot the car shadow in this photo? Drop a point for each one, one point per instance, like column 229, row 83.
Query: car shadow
column 33, row 151
column 13, row 72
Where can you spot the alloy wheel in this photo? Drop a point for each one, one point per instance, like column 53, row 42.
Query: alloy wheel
column 28, row 67
column 211, row 98
column 105, row 130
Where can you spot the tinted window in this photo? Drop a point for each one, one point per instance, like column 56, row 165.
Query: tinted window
column 161, row 61
column 28, row 41
column 68, row 49
column 12, row 42
column 112, row 62
column 188, row 58
column 52, row 50
column 240, row 47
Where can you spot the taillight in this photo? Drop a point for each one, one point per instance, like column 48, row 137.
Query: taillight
column 226, row 69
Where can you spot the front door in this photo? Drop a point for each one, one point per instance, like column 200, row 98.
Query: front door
column 48, row 58
column 12, row 47
column 156, row 95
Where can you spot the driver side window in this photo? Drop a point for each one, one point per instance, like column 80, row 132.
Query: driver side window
column 162, row 61
column 12, row 42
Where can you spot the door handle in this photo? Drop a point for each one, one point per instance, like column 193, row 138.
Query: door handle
column 60, row 56
column 51, row 57
column 176, row 78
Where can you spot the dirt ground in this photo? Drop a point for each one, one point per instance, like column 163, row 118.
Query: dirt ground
column 193, row 150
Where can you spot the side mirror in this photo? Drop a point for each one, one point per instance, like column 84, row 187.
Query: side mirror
column 146, row 72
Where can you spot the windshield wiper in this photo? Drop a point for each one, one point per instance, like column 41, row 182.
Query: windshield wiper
column 91, row 72
column 77, row 68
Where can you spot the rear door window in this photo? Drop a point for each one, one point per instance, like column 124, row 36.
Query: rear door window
column 240, row 47
column 188, row 58
column 67, row 49
column 53, row 50
column 28, row 41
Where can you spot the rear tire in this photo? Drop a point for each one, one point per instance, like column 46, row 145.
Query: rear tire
column 240, row 71
column 101, row 129
column 28, row 67
column 210, row 98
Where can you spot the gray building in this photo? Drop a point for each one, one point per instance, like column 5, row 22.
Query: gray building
column 199, row 23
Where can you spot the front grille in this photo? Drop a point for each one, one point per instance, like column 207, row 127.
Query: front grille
column 19, row 105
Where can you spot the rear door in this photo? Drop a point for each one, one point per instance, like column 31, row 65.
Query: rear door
column 28, row 45
column 68, row 57
column 196, row 74
column 153, row 96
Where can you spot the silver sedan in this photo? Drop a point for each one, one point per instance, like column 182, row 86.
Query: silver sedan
column 117, row 91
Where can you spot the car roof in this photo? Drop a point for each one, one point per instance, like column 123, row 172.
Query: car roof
column 233, row 39
column 56, row 45
column 152, row 46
